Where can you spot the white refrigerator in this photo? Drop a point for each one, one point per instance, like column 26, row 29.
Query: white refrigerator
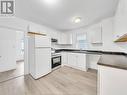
column 39, row 56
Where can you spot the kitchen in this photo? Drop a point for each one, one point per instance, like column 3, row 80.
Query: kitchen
column 86, row 57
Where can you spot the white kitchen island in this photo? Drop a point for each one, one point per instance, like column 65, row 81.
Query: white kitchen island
column 112, row 75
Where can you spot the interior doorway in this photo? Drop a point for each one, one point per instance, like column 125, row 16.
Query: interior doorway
column 20, row 53
column 18, row 46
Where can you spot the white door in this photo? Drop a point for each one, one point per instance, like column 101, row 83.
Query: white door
column 42, row 61
column 42, row 41
column 72, row 60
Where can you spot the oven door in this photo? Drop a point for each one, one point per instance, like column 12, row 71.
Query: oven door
column 56, row 61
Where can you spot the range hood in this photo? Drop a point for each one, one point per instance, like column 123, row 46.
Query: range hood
column 53, row 40
column 122, row 38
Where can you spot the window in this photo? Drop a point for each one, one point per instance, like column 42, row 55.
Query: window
column 81, row 42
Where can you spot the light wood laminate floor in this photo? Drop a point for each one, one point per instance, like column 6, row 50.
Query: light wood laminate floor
column 64, row 81
column 19, row 71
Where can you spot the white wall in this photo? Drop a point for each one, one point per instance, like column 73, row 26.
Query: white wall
column 7, row 49
column 108, row 37
column 120, row 19
column 120, row 23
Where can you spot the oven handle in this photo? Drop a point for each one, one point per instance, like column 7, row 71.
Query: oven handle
column 56, row 57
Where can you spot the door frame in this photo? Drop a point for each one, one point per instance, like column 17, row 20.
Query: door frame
column 26, row 64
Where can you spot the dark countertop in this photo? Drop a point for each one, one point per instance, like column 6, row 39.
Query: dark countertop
column 110, row 59
column 115, row 61
column 90, row 51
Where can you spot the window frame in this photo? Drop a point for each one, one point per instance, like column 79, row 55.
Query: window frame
column 77, row 42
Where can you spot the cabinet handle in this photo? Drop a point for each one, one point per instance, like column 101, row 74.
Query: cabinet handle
column 0, row 56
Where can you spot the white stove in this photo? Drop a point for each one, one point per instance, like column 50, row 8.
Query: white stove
column 56, row 61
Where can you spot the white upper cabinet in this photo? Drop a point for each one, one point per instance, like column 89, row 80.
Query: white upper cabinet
column 54, row 34
column 96, row 37
column 69, row 39
column 64, row 38
column 120, row 21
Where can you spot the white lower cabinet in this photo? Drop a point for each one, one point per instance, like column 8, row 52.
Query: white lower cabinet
column 81, row 62
column 64, row 58
column 112, row 81
column 72, row 59
column 75, row 60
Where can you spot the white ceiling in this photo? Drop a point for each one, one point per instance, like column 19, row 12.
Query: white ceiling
column 59, row 14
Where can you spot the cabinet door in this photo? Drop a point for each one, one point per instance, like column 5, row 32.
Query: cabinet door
column 81, row 62
column 59, row 38
column 72, row 60
column 69, row 39
column 64, row 58
column 96, row 35
column 62, row 39
column 65, row 38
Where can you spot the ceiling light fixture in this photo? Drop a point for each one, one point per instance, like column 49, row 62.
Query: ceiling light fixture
column 50, row 2
column 77, row 19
